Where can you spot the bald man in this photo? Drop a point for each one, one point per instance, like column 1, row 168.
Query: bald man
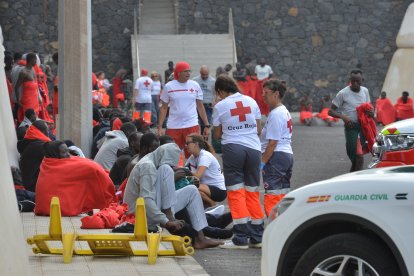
column 206, row 83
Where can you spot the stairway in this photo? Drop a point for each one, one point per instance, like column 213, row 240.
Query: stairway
column 157, row 17
column 158, row 42
column 212, row 50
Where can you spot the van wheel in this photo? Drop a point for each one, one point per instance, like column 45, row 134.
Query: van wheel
column 347, row 254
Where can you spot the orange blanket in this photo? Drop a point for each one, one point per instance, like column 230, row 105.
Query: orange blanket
column 404, row 110
column 80, row 183
column 325, row 116
column 29, row 98
column 385, row 111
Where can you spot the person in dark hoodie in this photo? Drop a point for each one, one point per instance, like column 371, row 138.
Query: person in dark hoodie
column 32, row 153
column 153, row 179
column 118, row 172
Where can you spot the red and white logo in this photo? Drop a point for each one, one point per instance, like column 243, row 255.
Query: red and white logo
column 240, row 111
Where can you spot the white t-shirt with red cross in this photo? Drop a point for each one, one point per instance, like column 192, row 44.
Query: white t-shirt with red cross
column 182, row 99
column 278, row 127
column 237, row 115
column 212, row 175
column 144, row 87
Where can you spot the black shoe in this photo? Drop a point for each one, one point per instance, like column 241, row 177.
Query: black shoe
column 219, row 221
column 217, row 233
column 26, row 206
column 125, row 227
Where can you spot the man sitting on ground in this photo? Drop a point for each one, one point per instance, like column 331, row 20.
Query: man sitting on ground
column 118, row 171
column 153, row 179
column 80, row 184
column 32, row 153
column 113, row 141
column 404, row 107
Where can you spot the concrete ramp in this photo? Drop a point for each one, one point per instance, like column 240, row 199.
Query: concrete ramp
column 212, row 50
column 399, row 76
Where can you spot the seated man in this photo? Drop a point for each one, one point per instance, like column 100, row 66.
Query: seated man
column 32, row 153
column 29, row 118
column 153, row 179
column 113, row 141
column 385, row 110
column 404, row 107
column 81, row 184
column 118, row 171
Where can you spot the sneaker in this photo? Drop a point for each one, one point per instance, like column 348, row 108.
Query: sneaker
column 216, row 211
column 230, row 245
column 255, row 245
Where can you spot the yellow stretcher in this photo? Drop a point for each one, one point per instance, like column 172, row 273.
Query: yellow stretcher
column 108, row 244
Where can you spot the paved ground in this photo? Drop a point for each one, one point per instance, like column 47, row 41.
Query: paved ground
column 319, row 153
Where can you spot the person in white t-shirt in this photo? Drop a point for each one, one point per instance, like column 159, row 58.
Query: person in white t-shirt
column 236, row 119
column 204, row 165
column 155, row 96
column 184, row 97
column 263, row 71
column 142, row 97
column 277, row 154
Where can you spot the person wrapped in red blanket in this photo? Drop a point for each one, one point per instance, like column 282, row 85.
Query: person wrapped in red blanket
column 404, row 107
column 385, row 110
column 80, row 183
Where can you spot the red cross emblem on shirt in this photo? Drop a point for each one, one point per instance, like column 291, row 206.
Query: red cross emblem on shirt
column 240, row 111
column 146, row 83
column 289, row 125
column 191, row 90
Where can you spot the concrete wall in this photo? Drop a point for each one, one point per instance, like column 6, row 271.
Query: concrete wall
column 312, row 44
column 31, row 25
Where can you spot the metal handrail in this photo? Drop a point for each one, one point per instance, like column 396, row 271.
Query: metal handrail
column 232, row 35
column 136, row 73
column 176, row 15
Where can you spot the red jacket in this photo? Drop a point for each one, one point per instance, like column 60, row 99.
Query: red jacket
column 368, row 126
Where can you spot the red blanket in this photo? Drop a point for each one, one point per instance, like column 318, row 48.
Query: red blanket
column 368, row 126
column 117, row 91
column 325, row 116
column 29, row 98
column 404, row 110
column 385, row 111
column 80, row 183
column 33, row 133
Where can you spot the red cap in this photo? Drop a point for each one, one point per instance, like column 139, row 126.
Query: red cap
column 144, row 72
column 179, row 67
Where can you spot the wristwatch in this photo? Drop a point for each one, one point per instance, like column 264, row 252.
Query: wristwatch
column 207, row 126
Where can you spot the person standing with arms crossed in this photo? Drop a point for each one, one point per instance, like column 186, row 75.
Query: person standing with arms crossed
column 236, row 119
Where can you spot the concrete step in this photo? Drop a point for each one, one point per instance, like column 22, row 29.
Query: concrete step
column 212, row 50
column 146, row 21
column 159, row 11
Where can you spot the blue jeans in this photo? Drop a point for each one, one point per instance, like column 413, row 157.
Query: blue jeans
column 209, row 113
